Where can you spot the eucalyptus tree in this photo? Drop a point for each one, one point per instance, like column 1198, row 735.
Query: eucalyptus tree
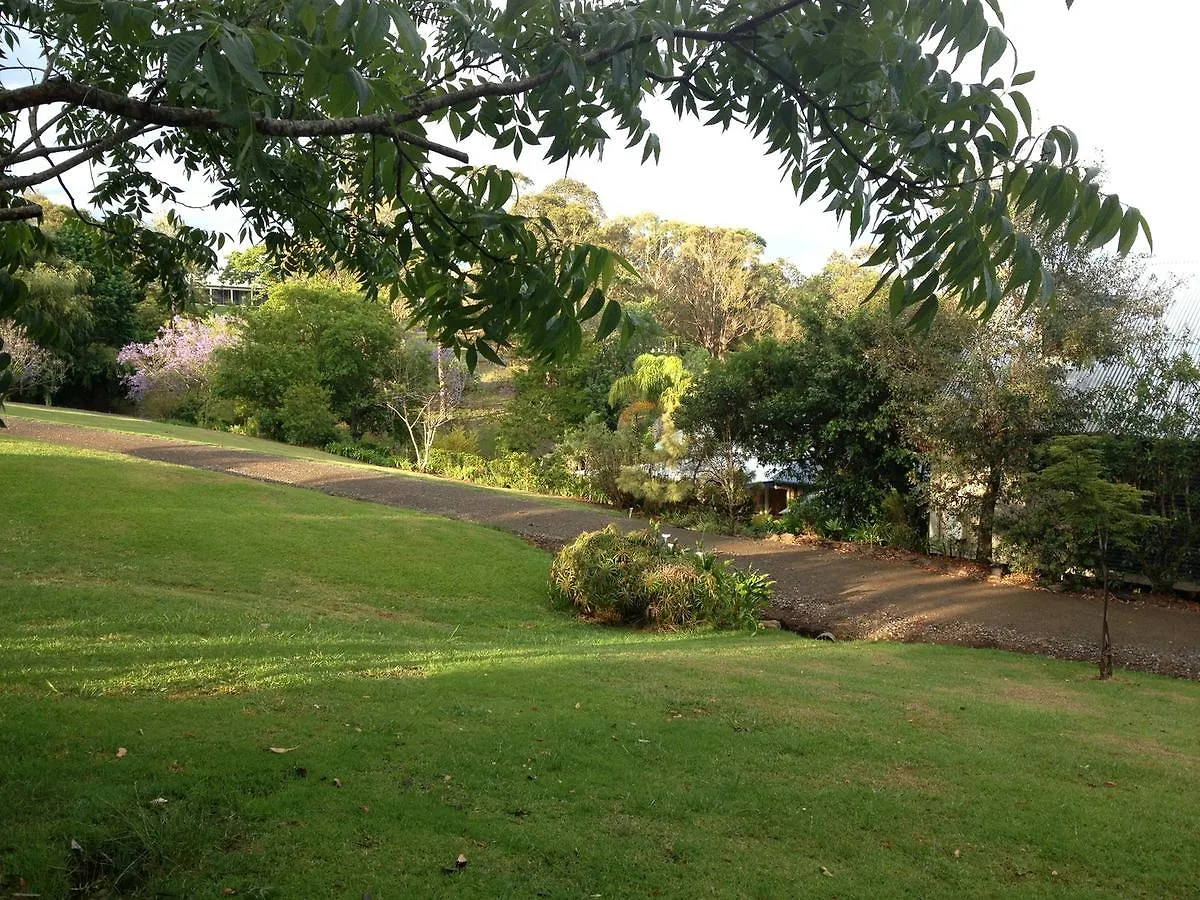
column 326, row 125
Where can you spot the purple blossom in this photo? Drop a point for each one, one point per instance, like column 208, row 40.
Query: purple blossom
column 179, row 360
column 34, row 368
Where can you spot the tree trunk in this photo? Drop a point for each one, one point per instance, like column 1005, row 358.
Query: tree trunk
column 1106, row 664
column 987, row 515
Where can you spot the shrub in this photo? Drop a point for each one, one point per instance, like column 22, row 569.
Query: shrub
column 764, row 523
column 642, row 579
column 304, row 416
column 457, row 440
column 170, row 377
column 36, row 372
column 309, row 332
column 802, row 515
column 362, row 451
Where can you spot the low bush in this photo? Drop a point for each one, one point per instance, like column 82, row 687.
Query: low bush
column 643, row 579
column 362, row 451
column 457, row 440
column 520, row 471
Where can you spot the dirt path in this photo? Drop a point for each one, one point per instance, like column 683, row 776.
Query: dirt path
column 853, row 595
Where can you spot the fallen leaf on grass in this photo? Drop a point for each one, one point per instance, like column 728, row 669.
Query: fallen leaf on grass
column 121, row 751
column 459, row 865
column 282, row 749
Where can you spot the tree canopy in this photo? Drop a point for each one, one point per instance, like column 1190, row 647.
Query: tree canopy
column 328, row 125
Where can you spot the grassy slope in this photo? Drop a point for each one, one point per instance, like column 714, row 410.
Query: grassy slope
column 196, row 620
column 133, row 425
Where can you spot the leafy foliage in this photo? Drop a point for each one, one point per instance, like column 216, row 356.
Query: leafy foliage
column 643, row 579
column 313, row 118
column 553, row 398
column 1074, row 513
column 817, row 405
column 312, row 338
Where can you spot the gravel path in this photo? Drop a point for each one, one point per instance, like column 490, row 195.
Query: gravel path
column 819, row 587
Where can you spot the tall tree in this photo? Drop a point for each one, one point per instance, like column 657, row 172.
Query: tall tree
column 708, row 286
column 982, row 395
column 570, row 206
column 320, row 121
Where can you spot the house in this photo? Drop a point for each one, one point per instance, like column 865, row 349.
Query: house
column 218, row 294
column 772, row 488
column 1165, row 407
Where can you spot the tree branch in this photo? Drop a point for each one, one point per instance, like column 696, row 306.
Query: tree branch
column 61, row 90
column 20, row 213
column 18, row 182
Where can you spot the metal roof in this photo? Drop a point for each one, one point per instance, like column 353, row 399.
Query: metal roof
column 1182, row 320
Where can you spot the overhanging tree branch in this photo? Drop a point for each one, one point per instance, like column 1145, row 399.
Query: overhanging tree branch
column 21, row 213
column 62, row 90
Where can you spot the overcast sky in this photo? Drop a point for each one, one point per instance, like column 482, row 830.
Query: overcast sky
column 1116, row 72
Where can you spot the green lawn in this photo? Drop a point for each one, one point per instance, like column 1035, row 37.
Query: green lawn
column 161, row 628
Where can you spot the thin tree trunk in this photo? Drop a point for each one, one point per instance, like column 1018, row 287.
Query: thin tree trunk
column 987, row 515
column 1106, row 663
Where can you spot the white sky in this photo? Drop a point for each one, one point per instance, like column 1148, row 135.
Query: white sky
column 1116, row 72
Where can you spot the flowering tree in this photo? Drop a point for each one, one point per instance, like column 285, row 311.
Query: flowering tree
column 36, row 371
column 170, row 371
column 424, row 393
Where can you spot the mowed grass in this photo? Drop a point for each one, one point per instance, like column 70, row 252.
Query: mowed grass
column 432, row 704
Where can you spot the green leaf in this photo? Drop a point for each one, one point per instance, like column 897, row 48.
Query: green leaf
column 1022, row 104
column 897, row 297
column 240, row 53
column 218, row 76
column 923, row 318
column 993, row 48
column 362, row 90
column 1107, row 223
column 485, row 350
column 594, row 302
column 1131, row 222
column 182, row 51
column 609, row 321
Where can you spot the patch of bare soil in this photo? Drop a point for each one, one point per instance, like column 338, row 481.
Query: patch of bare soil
column 849, row 592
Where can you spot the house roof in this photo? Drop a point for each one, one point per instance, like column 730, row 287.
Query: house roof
column 1120, row 377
